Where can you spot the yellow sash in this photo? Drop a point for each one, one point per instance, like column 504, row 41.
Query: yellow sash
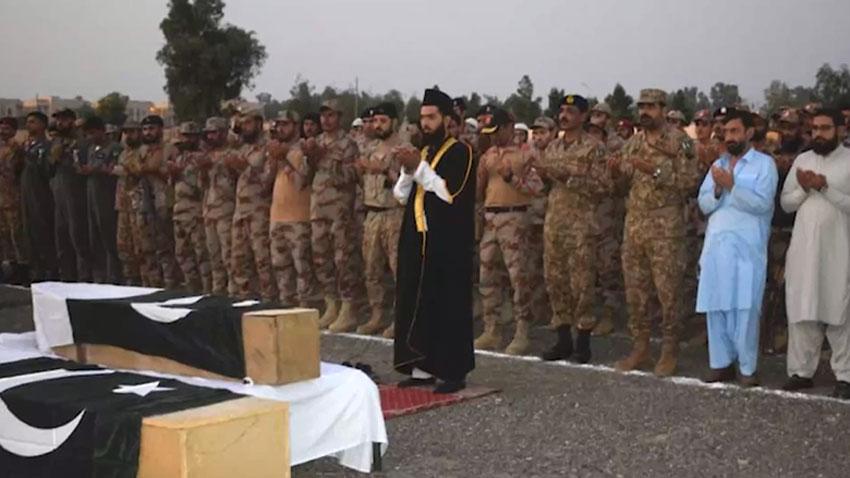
column 419, row 199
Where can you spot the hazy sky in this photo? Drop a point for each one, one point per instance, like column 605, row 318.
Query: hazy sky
column 92, row 47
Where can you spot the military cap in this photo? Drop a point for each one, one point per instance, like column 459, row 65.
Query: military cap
column 65, row 113
column 330, row 104
column 544, row 122
column 385, row 109
column 155, row 120
column 593, row 126
column 288, row 115
column 703, row 115
column 521, row 126
column 357, row 123
column 130, row 124
column 472, row 122
column 459, row 102
column 500, row 118
column 652, row 95
column 215, row 123
column 189, row 127
column 576, row 100
column 486, row 110
column 676, row 115
column 811, row 108
column 9, row 121
column 111, row 128
column 789, row 116
column 435, row 97
column 722, row 111
column 253, row 113
column 94, row 122
column 625, row 123
column 39, row 116
column 367, row 113
column 602, row 108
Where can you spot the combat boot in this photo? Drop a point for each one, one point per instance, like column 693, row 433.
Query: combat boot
column 519, row 344
column 376, row 324
column 582, row 352
column 563, row 348
column 346, row 320
column 331, row 311
column 606, row 323
column 639, row 356
column 491, row 339
column 389, row 333
column 666, row 365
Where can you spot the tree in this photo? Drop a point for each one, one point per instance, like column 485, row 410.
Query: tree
column 688, row 100
column 206, row 62
column 302, row 97
column 523, row 104
column 411, row 109
column 112, row 108
column 723, row 94
column 553, row 100
column 85, row 111
column 832, row 86
column 621, row 103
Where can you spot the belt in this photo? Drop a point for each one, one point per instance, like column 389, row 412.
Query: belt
column 499, row 209
column 378, row 208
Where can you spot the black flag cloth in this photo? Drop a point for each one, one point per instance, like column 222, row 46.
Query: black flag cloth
column 60, row 418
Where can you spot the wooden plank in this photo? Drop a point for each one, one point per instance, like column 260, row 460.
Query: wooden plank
column 243, row 437
column 281, row 346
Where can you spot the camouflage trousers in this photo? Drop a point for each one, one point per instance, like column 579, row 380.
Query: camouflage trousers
column 292, row 260
column 144, row 247
column 658, row 262
column 250, row 257
column 12, row 245
column 164, row 236
column 218, row 235
column 503, row 256
column 540, row 306
column 126, row 244
column 335, row 257
column 570, row 268
column 773, row 309
column 380, row 253
column 609, row 281
column 190, row 250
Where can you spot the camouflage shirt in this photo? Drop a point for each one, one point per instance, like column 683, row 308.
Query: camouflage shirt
column 524, row 181
column 254, row 186
column 378, row 187
column 158, row 156
column 334, row 177
column 188, row 188
column 220, row 185
column 11, row 162
column 579, row 178
column 128, row 193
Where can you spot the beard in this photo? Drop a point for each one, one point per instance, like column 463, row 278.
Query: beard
column 759, row 135
column 436, row 137
column 823, row 147
column 736, row 148
column 647, row 122
column 383, row 134
column 791, row 145
column 250, row 137
column 149, row 139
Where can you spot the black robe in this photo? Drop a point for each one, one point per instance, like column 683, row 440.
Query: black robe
column 433, row 316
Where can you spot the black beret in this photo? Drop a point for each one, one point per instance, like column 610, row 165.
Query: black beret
column 500, row 118
column 386, row 109
column 576, row 100
column 39, row 116
column 94, row 123
column 155, row 120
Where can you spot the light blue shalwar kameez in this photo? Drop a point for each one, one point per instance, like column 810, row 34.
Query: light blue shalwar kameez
column 733, row 264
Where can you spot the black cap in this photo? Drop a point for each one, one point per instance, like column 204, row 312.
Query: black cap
column 576, row 100
column 386, row 109
column 94, row 122
column 500, row 118
column 40, row 116
column 155, row 120
column 367, row 113
column 487, row 109
column 437, row 98
column 722, row 111
column 459, row 102
column 65, row 113
column 9, row 121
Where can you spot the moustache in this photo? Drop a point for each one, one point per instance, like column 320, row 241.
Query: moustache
column 645, row 118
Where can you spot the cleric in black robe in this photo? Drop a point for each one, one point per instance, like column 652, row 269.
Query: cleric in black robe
column 433, row 319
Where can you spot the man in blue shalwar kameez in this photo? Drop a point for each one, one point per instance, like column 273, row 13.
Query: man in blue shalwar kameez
column 737, row 196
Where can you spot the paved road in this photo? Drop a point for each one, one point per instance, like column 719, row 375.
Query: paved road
column 555, row 420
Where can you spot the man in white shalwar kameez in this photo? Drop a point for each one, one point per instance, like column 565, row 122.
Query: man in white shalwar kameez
column 738, row 198
column 817, row 269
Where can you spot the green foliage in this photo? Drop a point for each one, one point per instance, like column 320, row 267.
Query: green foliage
column 723, row 94
column 524, row 106
column 111, row 108
column 832, row 86
column 622, row 105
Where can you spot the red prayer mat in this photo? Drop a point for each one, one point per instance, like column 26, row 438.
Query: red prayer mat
column 397, row 402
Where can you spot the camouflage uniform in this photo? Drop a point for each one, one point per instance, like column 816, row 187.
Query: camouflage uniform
column 12, row 246
column 219, row 204
column 69, row 199
column 571, row 231
column 156, row 157
column 611, row 214
column 291, row 253
column 142, row 217
column 190, row 245
column 541, row 309
column 331, row 208
column 381, row 228
column 100, row 190
column 654, row 238
column 504, row 241
column 124, row 238
column 250, row 256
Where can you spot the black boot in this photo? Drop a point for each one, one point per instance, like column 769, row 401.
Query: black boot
column 582, row 354
column 563, row 348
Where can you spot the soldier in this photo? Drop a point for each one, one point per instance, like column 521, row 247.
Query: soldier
column 506, row 183
column 600, row 115
column 459, row 107
column 379, row 171
column 12, row 245
column 676, row 119
column 575, row 164
column 69, row 196
column 219, row 203
column 101, row 158
column 156, row 157
column 625, row 129
column 543, row 132
column 657, row 166
column 250, row 255
column 521, row 134
column 290, row 236
column 37, row 200
column 113, row 133
column 190, row 245
column 331, row 157
column 126, row 242
column 311, row 126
